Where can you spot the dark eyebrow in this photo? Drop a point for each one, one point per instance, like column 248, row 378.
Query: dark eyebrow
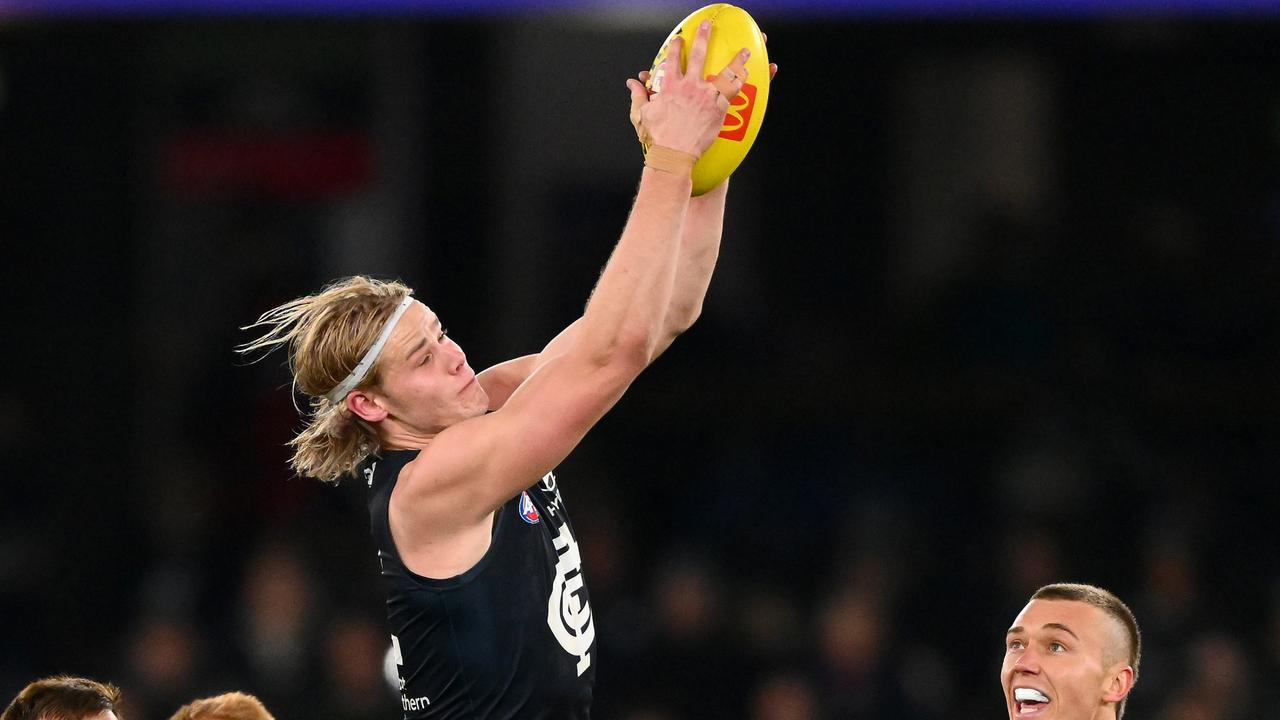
column 1063, row 628
column 1057, row 626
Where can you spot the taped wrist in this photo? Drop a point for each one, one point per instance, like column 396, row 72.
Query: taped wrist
column 668, row 160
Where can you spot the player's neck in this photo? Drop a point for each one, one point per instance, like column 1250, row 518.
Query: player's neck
column 394, row 435
column 1106, row 712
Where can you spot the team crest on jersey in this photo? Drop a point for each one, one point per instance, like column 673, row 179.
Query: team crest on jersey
column 528, row 512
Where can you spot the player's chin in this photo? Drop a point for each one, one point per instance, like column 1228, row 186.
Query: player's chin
column 479, row 405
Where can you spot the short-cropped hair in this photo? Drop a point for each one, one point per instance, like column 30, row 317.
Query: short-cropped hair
column 63, row 698
column 1106, row 601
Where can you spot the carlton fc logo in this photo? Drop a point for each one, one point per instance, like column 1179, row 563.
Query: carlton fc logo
column 528, row 512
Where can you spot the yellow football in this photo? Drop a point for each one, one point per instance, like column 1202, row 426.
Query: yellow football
column 731, row 30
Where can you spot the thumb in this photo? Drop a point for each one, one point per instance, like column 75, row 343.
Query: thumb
column 639, row 98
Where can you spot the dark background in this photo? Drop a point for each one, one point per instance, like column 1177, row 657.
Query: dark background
column 997, row 306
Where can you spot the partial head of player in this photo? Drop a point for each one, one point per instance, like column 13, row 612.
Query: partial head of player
column 1071, row 654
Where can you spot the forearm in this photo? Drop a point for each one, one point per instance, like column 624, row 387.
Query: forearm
column 699, row 250
column 630, row 301
column 627, row 312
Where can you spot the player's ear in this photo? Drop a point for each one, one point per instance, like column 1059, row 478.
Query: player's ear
column 365, row 406
column 1120, row 681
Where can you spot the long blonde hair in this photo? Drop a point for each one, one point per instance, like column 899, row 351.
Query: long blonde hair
column 326, row 335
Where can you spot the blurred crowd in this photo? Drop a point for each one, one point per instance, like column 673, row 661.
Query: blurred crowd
column 829, row 500
column 853, row 563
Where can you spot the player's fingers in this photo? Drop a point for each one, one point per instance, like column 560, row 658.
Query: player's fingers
column 673, row 54
column 639, row 97
column 698, row 52
column 739, row 63
column 773, row 70
column 729, row 81
column 644, row 76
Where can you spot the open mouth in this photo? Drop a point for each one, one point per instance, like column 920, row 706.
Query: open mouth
column 1029, row 701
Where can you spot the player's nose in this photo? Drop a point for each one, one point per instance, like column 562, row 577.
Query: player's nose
column 1027, row 662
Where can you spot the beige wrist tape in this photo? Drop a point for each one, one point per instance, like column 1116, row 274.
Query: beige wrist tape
column 668, row 160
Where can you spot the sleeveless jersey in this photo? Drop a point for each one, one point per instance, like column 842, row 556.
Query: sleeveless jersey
column 513, row 636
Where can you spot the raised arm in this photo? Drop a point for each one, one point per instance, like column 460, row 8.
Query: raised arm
column 698, row 251
column 476, row 465
column 696, row 260
column 703, row 223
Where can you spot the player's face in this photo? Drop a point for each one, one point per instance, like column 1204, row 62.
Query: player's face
column 104, row 715
column 425, row 378
column 1054, row 662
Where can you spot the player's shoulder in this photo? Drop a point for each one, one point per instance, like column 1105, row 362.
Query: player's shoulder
column 438, row 478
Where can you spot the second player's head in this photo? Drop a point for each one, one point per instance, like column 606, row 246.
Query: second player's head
column 64, row 698
column 1071, row 654
column 227, row 706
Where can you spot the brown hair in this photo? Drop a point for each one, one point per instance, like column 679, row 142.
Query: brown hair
column 327, row 334
column 1111, row 605
column 62, row 698
column 227, row 706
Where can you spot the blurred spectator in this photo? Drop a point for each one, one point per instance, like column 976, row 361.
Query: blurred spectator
column 785, row 696
column 927, row 684
column 770, row 627
column 855, row 670
column 277, row 630
column 1220, row 685
column 163, row 667
column 354, row 687
column 691, row 641
column 1030, row 559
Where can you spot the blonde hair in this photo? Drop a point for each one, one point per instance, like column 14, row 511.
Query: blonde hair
column 228, row 706
column 326, row 335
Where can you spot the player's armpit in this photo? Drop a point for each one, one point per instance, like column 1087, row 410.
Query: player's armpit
column 473, row 467
column 502, row 379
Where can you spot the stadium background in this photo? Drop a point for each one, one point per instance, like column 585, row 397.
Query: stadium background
column 997, row 306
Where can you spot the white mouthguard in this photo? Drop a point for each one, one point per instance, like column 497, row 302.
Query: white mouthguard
column 1025, row 694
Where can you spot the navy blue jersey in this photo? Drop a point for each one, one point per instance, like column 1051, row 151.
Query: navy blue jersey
column 513, row 636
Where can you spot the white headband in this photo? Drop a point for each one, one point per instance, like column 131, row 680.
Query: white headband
column 362, row 368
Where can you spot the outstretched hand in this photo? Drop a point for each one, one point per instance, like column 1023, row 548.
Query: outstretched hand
column 687, row 115
column 727, row 83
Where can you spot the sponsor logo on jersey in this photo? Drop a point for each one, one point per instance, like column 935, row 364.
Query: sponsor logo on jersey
column 550, row 493
column 528, row 512
column 394, row 662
